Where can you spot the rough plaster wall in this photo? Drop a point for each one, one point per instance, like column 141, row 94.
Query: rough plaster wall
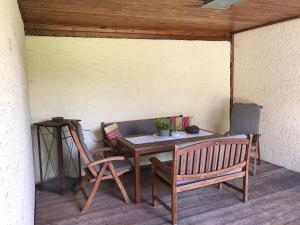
column 117, row 79
column 16, row 164
column 267, row 71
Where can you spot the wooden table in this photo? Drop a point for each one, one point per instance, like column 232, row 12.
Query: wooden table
column 139, row 150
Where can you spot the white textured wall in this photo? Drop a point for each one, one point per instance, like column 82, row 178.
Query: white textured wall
column 267, row 71
column 16, row 165
column 117, row 79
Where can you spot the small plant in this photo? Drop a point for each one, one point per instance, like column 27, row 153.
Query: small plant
column 163, row 124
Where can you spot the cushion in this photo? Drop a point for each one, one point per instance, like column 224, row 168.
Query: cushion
column 245, row 119
column 84, row 146
column 112, row 131
column 136, row 127
column 180, row 122
column 120, row 165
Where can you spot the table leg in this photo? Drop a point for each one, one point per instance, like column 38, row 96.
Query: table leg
column 79, row 166
column 137, row 178
column 60, row 161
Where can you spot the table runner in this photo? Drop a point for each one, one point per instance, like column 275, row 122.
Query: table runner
column 152, row 138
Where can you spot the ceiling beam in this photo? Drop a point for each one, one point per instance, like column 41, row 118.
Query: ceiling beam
column 96, row 32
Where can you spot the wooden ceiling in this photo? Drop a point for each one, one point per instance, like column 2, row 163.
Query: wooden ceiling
column 163, row 19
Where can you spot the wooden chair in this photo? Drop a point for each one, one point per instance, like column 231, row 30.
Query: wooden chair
column 201, row 164
column 245, row 119
column 98, row 170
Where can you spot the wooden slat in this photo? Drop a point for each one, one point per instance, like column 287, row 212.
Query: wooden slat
column 209, row 182
column 202, row 160
column 182, row 164
column 195, row 164
column 226, row 156
column 242, row 157
column 221, row 157
column 232, row 151
column 208, row 160
column 237, row 154
column 214, row 159
column 189, row 162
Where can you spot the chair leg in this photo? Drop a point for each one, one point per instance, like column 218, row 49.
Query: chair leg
column 255, row 162
column 258, row 151
column 174, row 207
column 220, row 186
column 119, row 183
column 82, row 185
column 245, row 187
column 122, row 178
column 94, row 190
column 154, row 187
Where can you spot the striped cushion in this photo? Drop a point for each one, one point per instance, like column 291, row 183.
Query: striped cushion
column 112, row 131
column 180, row 122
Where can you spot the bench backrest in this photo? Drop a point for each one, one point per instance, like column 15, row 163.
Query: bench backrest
column 211, row 158
column 135, row 127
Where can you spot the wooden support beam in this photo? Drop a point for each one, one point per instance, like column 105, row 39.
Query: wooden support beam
column 97, row 32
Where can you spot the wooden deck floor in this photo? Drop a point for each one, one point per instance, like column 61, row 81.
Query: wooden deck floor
column 274, row 198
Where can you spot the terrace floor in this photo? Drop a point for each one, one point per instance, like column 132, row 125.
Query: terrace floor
column 274, row 198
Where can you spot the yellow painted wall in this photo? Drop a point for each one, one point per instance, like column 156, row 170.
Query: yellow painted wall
column 118, row 79
column 267, row 71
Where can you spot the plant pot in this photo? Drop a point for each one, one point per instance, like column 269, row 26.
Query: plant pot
column 164, row 133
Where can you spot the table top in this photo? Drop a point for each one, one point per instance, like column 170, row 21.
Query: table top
column 161, row 146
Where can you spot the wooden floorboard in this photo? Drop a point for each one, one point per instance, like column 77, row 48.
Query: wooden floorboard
column 274, row 198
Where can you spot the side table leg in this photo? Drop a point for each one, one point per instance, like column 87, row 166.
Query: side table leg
column 40, row 158
column 137, row 178
column 60, row 161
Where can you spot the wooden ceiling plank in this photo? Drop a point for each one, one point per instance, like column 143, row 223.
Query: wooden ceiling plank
column 186, row 16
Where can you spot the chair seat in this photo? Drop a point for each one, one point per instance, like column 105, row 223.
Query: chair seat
column 167, row 177
column 120, row 165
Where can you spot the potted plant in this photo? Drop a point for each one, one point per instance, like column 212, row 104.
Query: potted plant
column 163, row 127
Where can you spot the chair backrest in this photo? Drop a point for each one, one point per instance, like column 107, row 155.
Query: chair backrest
column 77, row 135
column 211, row 158
column 245, row 119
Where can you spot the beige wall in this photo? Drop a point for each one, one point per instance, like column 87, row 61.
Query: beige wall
column 267, row 71
column 117, row 79
column 16, row 165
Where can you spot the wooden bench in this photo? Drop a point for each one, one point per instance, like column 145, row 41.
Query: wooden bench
column 201, row 164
